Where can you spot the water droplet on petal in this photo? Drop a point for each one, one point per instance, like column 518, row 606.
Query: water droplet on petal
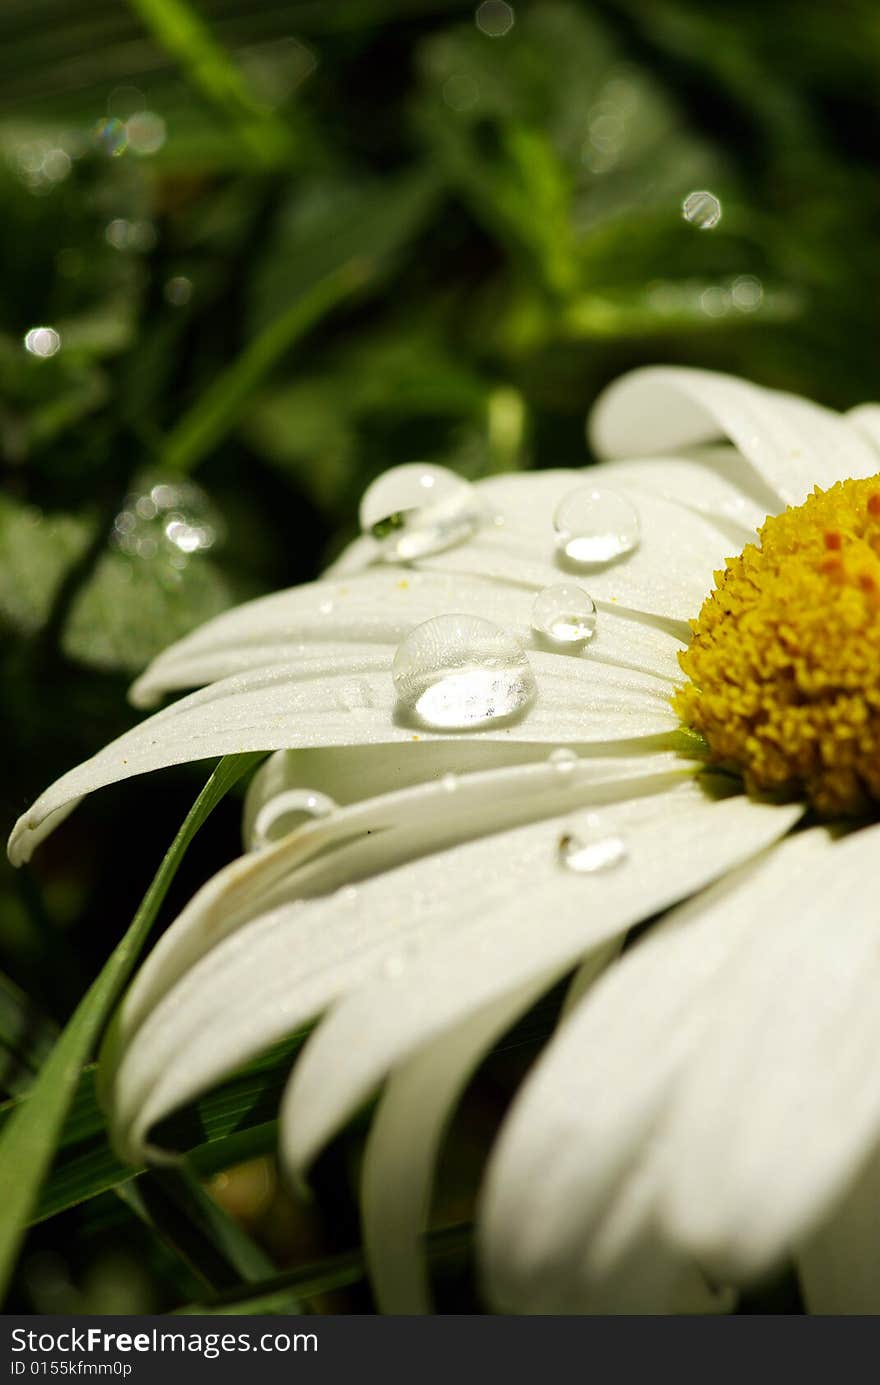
column 418, row 509
column 288, row 810
column 595, row 526
column 449, row 783
column 563, row 759
column 564, row 614
column 702, row 209
column 456, row 672
column 591, row 848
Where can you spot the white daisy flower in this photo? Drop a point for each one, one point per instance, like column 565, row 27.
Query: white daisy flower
column 482, row 782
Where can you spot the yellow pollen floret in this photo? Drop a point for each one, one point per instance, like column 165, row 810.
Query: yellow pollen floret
column 784, row 664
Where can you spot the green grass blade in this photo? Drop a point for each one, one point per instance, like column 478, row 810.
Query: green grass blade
column 30, row 1138
column 220, row 407
column 177, row 1209
column 210, row 69
column 323, row 1276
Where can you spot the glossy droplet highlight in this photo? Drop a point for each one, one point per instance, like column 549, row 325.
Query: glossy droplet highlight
column 590, row 848
column 418, row 509
column 565, row 615
column 594, row 526
column 288, row 810
column 702, row 209
column 459, row 672
column 563, row 759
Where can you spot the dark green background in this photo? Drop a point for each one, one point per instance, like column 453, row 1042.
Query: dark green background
column 404, row 239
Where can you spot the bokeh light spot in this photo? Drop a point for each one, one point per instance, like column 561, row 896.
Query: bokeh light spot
column 42, row 342
column 495, row 18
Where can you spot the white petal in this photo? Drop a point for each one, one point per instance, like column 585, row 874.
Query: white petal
column 407, row 1132
column 399, row 817
column 404, row 1141
column 790, row 442
column 667, row 577
column 533, row 916
column 579, row 702
column 865, row 418
column 172, row 1041
column 570, row 1206
column 781, row 1105
column 325, row 623
column 839, row 1266
column 712, row 481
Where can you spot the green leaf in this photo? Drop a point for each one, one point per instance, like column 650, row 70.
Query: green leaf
column 36, row 551
column 131, row 608
column 232, row 1123
column 32, row 1134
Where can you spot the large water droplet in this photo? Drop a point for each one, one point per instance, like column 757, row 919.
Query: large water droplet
column 288, row 810
column 595, row 526
column 591, row 848
column 457, row 672
column 564, row 614
column 418, row 509
column 702, row 209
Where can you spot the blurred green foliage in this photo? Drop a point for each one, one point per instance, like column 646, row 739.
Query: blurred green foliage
column 252, row 254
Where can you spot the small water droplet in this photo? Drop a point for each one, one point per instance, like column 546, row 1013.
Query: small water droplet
column 325, row 608
column 702, row 209
column 564, row 614
column 449, row 783
column 563, row 759
column 595, row 526
column 456, row 672
column 591, row 848
column 287, row 810
column 419, row 509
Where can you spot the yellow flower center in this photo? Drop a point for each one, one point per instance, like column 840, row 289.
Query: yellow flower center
column 784, row 665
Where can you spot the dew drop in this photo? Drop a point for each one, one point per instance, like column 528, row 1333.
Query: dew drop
column 563, row 759
column 702, row 209
column 457, row 672
column 595, row 526
column 591, row 848
column 418, row 509
column 564, row 614
column 288, row 810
